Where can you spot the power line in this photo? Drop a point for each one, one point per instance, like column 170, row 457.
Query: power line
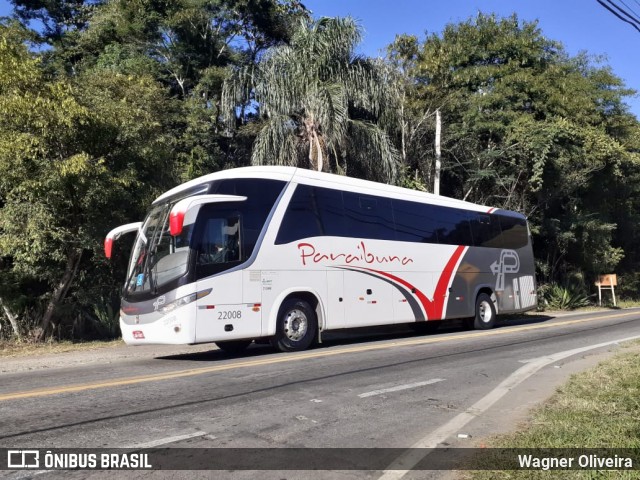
column 634, row 23
column 635, row 17
column 623, row 12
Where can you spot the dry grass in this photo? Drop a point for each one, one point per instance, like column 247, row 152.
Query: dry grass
column 22, row 349
column 599, row 408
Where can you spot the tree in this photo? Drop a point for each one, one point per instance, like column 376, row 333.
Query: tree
column 413, row 128
column 123, row 103
column 70, row 152
column 529, row 128
column 55, row 18
column 187, row 46
column 323, row 107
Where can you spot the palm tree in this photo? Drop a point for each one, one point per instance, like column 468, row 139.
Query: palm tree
column 323, row 106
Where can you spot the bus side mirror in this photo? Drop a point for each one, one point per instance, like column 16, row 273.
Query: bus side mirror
column 179, row 210
column 115, row 234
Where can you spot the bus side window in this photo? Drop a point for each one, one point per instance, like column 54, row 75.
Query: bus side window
column 220, row 241
column 453, row 226
column 486, row 230
column 313, row 212
column 330, row 207
column 301, row 220
column 368, row 216
column 514, row 232
column 414, row 222
column 261, row 196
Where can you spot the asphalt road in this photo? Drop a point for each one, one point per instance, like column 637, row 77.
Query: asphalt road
column 384, row 389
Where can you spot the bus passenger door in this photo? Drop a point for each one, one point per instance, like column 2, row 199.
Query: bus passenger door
column 222, row 314
column 335, row 299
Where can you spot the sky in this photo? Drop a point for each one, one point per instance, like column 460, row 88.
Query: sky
column 580, row 25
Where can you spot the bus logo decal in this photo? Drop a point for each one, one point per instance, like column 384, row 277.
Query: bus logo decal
column 158, row 303
column 509, row 263
column 308, row 253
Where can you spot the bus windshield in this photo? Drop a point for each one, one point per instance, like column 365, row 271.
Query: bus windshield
column 223, row 236
column 157, row 257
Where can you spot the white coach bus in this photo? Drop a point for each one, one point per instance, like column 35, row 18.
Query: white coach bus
column 285, row 254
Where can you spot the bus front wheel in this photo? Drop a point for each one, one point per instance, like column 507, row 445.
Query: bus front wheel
column 485, row 313
column 297, row 326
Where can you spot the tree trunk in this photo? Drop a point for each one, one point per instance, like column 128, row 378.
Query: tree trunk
column 319, row 156
column 13, row 320
column 73, row 261
column 436, row 181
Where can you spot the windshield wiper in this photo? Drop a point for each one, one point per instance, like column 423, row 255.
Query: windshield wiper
column 153, row 287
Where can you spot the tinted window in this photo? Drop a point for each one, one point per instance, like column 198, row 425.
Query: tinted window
column 514, row 231
column 218, row 244
column 329, row 206
column 368, row 216
column 220, row 241
column 414, row 222
column 485, row 229
column 312, row 212
column 261, row 196
column 301, row 220
column 453, row 226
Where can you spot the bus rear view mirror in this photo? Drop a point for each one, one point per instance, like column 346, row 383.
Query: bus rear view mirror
column 116, row 233
column 179, row 210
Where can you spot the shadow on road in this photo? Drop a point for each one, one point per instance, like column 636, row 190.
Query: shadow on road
column 357, row 336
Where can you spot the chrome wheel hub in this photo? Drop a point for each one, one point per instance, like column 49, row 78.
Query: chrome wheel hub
column 295, row 325
column 484, row 311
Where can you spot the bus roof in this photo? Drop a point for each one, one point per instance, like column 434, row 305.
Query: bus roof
column 321, row 179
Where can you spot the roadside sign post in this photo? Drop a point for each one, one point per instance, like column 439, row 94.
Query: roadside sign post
column 607, row 282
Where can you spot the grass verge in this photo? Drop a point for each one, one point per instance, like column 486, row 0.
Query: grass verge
column 23, row 349
column 599, row 408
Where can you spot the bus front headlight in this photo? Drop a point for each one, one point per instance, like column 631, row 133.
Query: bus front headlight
column 187, row 299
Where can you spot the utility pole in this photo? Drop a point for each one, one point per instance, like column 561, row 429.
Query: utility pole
column 436, row 182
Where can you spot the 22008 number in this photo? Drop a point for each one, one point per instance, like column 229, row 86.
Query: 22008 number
column 229, row 315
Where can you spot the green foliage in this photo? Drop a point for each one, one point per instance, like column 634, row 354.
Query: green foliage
column 70, row 152
column 629, row 287
column 526, row 127
column 107, row 315
column 557, row 297
column 322, row 106
column 123, row 106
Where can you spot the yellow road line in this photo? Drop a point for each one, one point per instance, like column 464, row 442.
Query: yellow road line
column 292, row 358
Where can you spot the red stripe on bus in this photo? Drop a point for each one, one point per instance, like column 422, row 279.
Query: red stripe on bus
column 435, row 307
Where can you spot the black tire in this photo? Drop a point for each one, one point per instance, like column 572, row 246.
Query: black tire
column 233, row 346
column 296, row 326
column 424, row 328
column 485, row 317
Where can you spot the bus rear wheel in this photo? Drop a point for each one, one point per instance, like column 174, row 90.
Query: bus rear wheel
column 485, row 313
column 297, row 326
column 233, row 346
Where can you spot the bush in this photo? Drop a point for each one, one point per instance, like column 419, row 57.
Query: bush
column 557, row 297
